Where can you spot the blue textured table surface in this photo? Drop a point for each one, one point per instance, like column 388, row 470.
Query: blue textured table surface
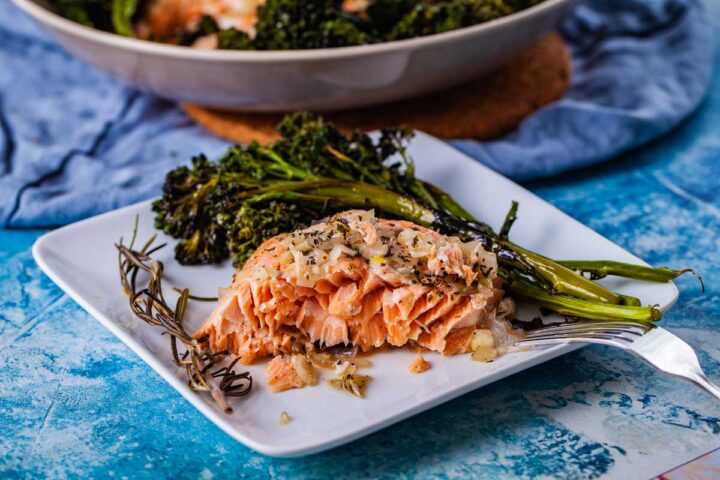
column 74, row 401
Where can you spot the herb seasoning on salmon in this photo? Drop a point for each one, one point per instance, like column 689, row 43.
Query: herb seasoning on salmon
column 355, row 280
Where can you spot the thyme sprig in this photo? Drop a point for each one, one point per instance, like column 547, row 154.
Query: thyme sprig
column 147, row 302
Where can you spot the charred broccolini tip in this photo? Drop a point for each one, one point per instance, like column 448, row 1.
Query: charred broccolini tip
column 256, row 192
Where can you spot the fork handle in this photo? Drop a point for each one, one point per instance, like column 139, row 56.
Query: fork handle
column 703, row 381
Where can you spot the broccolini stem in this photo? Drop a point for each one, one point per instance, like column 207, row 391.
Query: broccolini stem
column 256, row 194
column 283, row 168
column 419, row 189
column 509, row 220
column 564, row 280
column 122, row 12
column 575, row 307
column 558, row 278
column 362, row 195
column 348, row 195
column 360, row 168
column 602, row 268
column 447, row 203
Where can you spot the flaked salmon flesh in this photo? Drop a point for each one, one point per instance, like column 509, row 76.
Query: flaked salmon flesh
column 419, row 365
column 356, row 280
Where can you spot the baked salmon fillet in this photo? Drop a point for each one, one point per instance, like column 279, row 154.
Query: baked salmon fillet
column 356, row 280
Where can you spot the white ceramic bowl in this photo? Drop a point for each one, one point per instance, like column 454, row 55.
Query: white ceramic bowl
column 323, row 79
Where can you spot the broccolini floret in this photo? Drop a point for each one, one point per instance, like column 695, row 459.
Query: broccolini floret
column 304, row 24
column 233, row 206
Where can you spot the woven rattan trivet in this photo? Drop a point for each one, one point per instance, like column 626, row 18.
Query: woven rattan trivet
column 483, row 109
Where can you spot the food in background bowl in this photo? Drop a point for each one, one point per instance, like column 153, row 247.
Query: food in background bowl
column 319, row 79
column 283, row 24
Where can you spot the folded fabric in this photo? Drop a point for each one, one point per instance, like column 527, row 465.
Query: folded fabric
column 640, row 67
column 74, row 142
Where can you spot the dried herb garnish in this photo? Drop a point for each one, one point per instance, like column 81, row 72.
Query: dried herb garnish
column 147, row 302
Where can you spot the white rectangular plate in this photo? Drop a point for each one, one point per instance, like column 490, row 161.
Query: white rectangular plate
column 81, row 259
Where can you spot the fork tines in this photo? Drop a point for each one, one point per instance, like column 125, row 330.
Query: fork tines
column 626, row 331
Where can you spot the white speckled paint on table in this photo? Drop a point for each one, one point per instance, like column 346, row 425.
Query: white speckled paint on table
column 74, row 402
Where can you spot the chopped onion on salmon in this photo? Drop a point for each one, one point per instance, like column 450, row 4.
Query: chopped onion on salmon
column 323, row 286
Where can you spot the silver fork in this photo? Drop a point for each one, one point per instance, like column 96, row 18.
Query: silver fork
column 655, row 345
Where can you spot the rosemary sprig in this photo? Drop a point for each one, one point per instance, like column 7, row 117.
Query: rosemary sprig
column 148, row 303
column 195, row 297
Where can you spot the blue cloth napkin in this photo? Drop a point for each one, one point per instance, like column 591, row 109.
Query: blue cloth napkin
column 75, row 142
